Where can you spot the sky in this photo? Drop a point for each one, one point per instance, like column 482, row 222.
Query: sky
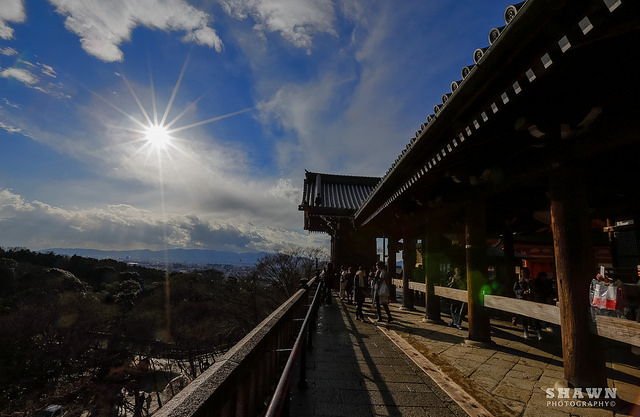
column 156, row 124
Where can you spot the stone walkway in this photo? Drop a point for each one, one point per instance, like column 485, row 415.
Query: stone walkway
column 415, row 368
column 355, row 370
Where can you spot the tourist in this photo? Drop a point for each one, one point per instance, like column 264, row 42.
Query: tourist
column 457, row 309
column 343, row 282
column 381, row 291
column 360, row 290
column 522, row 291
column 349, row 286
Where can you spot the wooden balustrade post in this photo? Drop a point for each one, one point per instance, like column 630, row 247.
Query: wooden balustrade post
column 582, row 351
column 302, row 381
column 476, row 262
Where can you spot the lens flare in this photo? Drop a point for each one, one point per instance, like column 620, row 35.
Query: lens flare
column 157, row 134
column 158, row 137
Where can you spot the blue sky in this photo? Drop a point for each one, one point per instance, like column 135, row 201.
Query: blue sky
column 250, row 92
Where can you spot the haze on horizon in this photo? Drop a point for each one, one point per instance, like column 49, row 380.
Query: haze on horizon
column 243, row 96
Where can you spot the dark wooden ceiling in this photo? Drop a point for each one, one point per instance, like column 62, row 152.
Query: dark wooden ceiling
column 582, row 107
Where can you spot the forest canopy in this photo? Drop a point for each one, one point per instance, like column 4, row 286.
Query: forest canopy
column 88, row 333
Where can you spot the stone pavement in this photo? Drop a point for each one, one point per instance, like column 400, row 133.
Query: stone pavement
column 355, row 370
column 415, row 368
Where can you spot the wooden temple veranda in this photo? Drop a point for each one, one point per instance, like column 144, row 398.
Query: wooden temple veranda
column 536, row 145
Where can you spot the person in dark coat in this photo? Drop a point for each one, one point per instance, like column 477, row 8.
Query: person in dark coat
column 457, row 309
column 329, row 282
column 522, row 290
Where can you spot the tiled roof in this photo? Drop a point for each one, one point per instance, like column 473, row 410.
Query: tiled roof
column 338, row 193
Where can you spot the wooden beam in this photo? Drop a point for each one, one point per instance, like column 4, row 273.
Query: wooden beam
column 452, row 293
column 622, row 330
column 545, row 312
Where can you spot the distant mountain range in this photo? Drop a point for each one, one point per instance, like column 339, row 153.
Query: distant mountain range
column 172, row 256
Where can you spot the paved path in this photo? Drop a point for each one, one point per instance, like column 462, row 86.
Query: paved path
column 415, row 368
column 355, row 370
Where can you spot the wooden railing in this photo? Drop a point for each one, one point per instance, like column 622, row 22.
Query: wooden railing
column 626, row 331
column 242, row 382
column 279, row 404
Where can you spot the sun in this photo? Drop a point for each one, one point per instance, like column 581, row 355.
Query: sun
column 157, row 136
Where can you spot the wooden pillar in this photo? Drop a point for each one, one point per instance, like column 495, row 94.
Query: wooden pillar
column 509, row 262
column 476, row 262
column 353, row 248
column 332, row 256
column 582, row 352
column 431, row 257
column 392, row 246
column 408, row 266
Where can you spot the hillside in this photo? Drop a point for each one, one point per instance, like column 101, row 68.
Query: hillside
column 80, row 331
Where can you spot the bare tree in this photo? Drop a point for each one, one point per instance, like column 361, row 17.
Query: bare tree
column 285, row 269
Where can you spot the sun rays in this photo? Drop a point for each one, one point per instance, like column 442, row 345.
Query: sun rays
column 149, row 140
column 151, row 132
column 157, row 137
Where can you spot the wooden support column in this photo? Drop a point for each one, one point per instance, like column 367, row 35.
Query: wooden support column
column 332, row 255
column 431, row 258
column 476, row 262
column 582, row 351
column 392, row 247
column 408, row 266
column 509, row 262
column 353, row 248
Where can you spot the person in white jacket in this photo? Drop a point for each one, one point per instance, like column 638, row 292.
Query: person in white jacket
column 381, row 291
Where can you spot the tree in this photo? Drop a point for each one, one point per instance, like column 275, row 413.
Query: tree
column 285, row 269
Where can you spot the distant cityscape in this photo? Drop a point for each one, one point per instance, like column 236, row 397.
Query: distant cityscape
column 173, row 260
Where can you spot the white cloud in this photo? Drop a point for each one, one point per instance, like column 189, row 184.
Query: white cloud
column 10, row 104
column 329, row 122
column 10, row 11
column 297, row 21
column 30, row 79
column 38, row 225
column 8, row 51
column 103, row 25
column 47, row 70
column 20, row 74
column 359, row 109
column 200, row 175
column 9, row 128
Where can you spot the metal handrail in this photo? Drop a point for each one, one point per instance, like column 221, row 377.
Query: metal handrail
column 280, row 400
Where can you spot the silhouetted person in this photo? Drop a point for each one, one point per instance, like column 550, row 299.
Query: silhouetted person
column 457, row 309
column 522, row 291
column 329, row 276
